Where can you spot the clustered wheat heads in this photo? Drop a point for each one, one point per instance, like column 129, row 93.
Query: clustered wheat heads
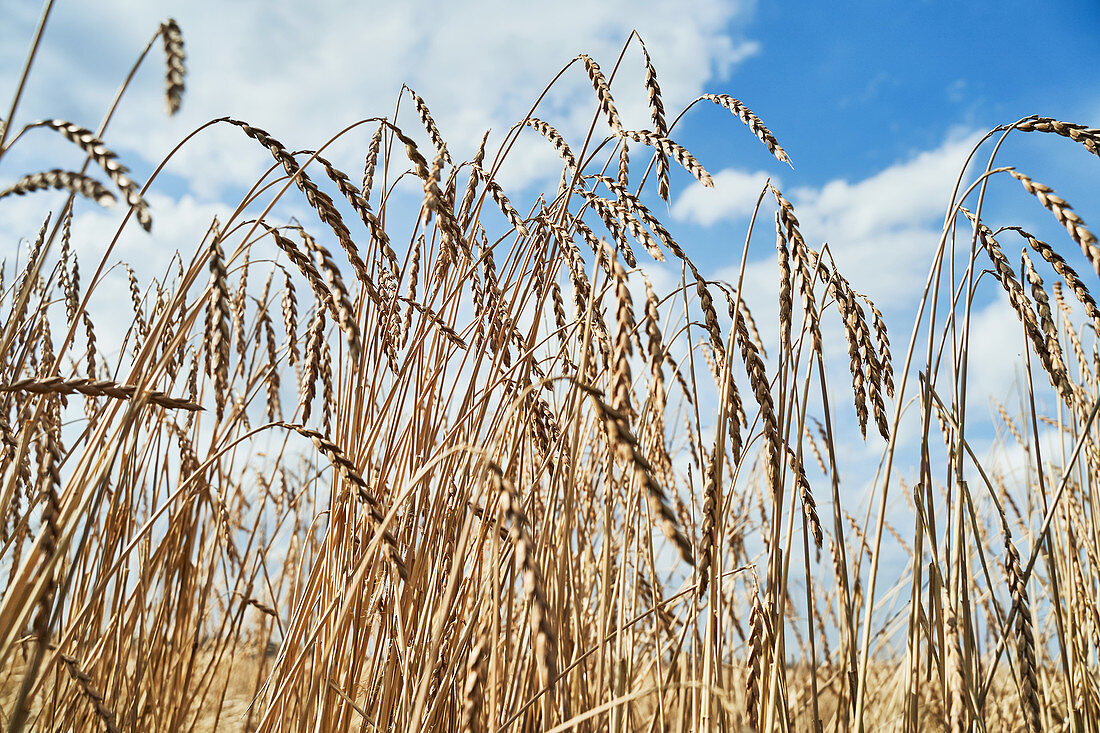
column 529, row 459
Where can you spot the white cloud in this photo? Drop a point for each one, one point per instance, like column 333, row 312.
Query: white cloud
column 304, row 71
column 881, row 230
column 733, row 197
column 908, row 194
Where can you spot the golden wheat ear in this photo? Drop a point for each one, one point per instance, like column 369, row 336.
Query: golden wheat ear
column 175, row 57
column 71, row 181
column 94, row 147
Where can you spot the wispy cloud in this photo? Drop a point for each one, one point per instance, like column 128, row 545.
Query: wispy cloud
column 881, row 230
column 303, row 71
column 732, row 198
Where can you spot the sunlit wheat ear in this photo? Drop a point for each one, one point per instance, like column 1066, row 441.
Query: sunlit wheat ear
column 77, row 183
column 603, row 92
column 953, row 669
column 174, row 55
column 609, row 215
column 412, row 151
column 370, row 162
column 560, row 146
column 624, row 164
column 786, row 304
column 271, row 375
column 88, row 687
column 753, row 122
column 809, row 506
column 502, row 202
column 759, row 642
column 289, row 306
column 106, row 159
column 237, row 305
column 862, row 354
column 317, row 199
column 884, row 361
column 1065, row 270
column 761, row 388
column 1020, row 303
column 750, row 322
column 657, row 114
column 675, row 151
column 361, row 206
column 1083, row 363
column 96, row 388
column 1065, row 215
column 314, row 344
column 800, row 255
column 1024, row 636
column 218, row 316
column 710, row 315
column 708, row 536
column 140, row 327
column 305, row 266
column 436, row 202
column 1046, row 318
column 1087, row 136
column 621, row 378
column 867, row 372
column 636, row 217
column 430, row 126
column 464, row 209
column 626, row 447
column 544, row 639
column 472, row 693
column 340, row 300
column 89, row 336
column 349, row 473
column 328, row 402
column 655, row 344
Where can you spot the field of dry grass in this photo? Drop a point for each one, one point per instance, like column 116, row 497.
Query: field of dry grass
column 470, row 470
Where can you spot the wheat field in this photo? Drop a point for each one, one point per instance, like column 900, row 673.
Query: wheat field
column 471, row 469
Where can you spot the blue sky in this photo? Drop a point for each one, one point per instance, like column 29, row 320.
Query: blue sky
column 866, row 83
column 877, row 103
